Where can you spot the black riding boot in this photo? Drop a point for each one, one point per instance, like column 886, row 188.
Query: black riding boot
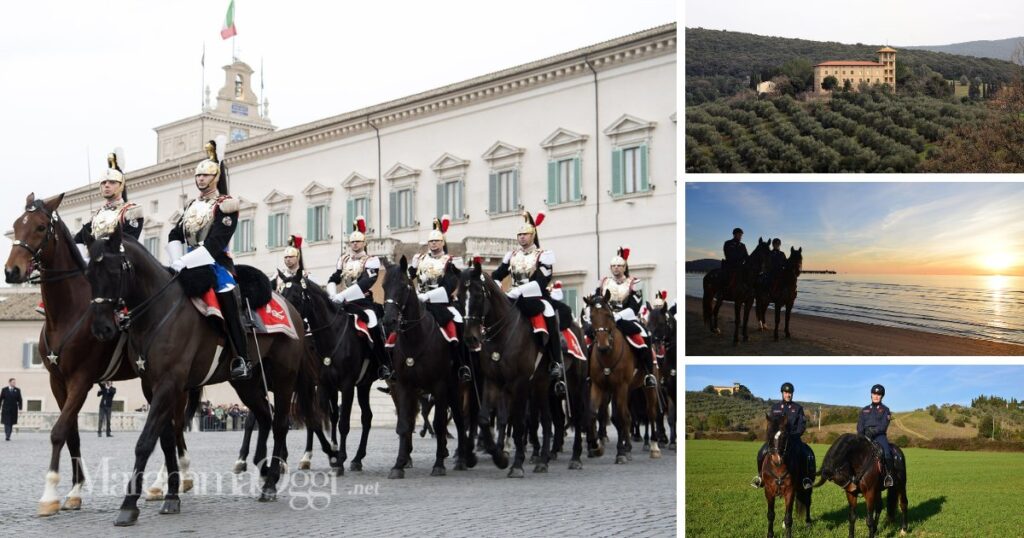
column 889, row 467
column 809, row 472
column 756, row 482
column 230, row 309
column 381, row 355
column 646, row 362
column 554, row 351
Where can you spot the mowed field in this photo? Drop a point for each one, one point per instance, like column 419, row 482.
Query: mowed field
column 951, row 494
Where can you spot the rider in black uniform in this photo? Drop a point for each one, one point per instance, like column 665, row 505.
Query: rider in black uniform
column 794, row 413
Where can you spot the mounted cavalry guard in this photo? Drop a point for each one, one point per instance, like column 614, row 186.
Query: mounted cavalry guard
column 437, row 277
column 198, row 247
column 873, row 423
column 531, row 269
column 116, row 210
column 626, row 298
column 794, row 414
column 293, row 264
column 356, row 273
column 735, row 254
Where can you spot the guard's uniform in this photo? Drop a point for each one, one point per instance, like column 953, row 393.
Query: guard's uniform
column 873, row 423
column 797, row 425
column 113, row 214
column 355, row 276
column 437, row 277
column 625, row 298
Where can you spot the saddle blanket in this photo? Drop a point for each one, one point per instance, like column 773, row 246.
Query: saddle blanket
column 448, row 332
column 636, row 340
column 573, row 345
column 272, row 318
column 539, row 324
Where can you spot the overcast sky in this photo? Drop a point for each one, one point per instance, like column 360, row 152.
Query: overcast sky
column 79, row 79
column 896, row 22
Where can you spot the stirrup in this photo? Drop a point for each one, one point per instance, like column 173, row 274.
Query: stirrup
column 465, row 375
column 650, row 382
column 385, row 374
column 240, row 369
column 560, row 388
column 556, row 370
column 756, row 482
column 888, row 483
column 808, row 484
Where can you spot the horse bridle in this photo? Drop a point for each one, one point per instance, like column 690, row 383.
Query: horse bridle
column 122, row 312
column 37, row 252
column 402, row 322
column 774, row 449
column 492, row 332
column 601, row 304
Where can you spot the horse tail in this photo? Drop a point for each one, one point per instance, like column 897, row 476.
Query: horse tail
column 192, row 403
column 823, row 477
column 891, row 497
column 308, row 411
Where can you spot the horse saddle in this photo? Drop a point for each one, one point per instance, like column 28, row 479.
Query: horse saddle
column 270, row 318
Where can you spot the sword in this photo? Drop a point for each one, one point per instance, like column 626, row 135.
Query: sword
column 259, row 355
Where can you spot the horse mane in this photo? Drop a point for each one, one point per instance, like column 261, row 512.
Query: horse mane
column 70, row 240
column 315, row 290
column 839, row 454
column 776, row 423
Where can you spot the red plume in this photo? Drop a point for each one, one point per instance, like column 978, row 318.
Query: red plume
column 445, row 222
column 624, row 252
column 538, row 219
column 297, row 241
column 664, row 294
column 478, row 260
column 558, row 284
column 361, row 224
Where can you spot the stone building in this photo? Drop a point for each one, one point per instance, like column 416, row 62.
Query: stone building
column 881, row 72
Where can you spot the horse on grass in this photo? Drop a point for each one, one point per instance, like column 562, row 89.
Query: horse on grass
column 782, row 474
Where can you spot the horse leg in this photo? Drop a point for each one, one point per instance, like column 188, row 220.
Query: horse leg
column 870, row 501
column 714, row 316
column 771, row 516
column 307, row 454
column 746, row 320
column 440, row 428
column 335, row 418
column 159, row 417
column 366, row 420
column 172, row 504
column 621, row 418
column 326, row 447
column 344, row 423
column 74, row 497
column 464, row 447
column 652, row 411
column 484, row 423
column 736, row 322
column 184, row 462
column 425, row 406
column 789, row 310
column 787, row 521
column 543, row 406
column 903, row 507
column 851, row 500
column 517, row 415
column 597, row 399
column 778, row 307
column 532, row 423
column 405, row 400
column 243, row 452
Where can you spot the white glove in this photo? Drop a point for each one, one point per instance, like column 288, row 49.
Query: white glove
column 337, row 298
column 84, row 251
column 332, row 289
column 178, row 265
column 508, row 256
column 422, row 297
column 515, row 292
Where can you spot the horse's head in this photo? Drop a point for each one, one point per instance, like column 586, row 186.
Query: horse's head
column 657, row 322
column 109, row 275
column 778, row 435
column 602, row 320
column 398, row 292
column 295, row 289
column 34, row 231
column 473, row 290
column 796, row 259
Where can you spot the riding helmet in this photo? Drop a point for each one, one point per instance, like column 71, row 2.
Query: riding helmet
column 787, row 387
column 737, row 231
column 878, row 389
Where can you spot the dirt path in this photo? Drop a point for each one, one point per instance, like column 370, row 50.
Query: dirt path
column 900, row 425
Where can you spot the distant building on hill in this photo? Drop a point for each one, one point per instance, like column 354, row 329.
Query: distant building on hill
column 722, row 391
column 881, row 72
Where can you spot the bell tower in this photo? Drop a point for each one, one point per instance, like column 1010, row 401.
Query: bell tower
column 887, row 57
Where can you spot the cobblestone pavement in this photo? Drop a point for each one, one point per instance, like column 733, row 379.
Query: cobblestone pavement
column 604, row 499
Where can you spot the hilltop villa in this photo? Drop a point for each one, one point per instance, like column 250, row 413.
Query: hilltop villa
column 881, row 72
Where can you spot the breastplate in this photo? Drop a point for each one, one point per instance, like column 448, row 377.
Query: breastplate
column 618, row 293
column 429, row 272
column 522, row 265
column 351, row 268
column 197, row 220
column 105, row 221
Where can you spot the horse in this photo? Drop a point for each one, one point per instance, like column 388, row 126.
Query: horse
column 572, row 414
column 178, row 349
column 424, row 364
column 853, row 462
column 661, row 324
column 74, row 359
column 741, row 291
column 782, row 475
column 346, row 358
column 511, row 366
column 613, row 373
column 783, row 293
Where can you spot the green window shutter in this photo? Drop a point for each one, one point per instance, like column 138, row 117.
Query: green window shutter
column 460, row 210
column 393, row 210
column 492, row 182
column 440, row 199
column 570, row 299
column 553, row 182
column 26, row 354
column 617, row 172
column 311, row 224
column 350, row 213
column 644, row 182
column 514, row 204
column 284, row 230
column 236, row 241
column 270, row 230
column 577, row 179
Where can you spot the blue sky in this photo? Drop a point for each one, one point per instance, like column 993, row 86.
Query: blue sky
column 924, row 228
column 907, row 387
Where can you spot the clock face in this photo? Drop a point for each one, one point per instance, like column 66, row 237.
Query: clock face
column 238, row 134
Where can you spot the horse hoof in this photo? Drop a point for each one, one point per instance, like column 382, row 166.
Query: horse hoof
column 72, row 503
column 154, row 494
column 540, row 468
column 554, row 456
column 48, row 508
column 647, row 447
column 629, row 456
column 338, row 471
column 620, row 459
column 172, row 505
column 575, row 465
column 635, row 438
column 396, row 472
column 303, row 464
column 460, row 466
column 471, row 460
column 438, row 471
column 126, row 517
column 268, row 495
column 903, row 532
column 355, row 466
column 408, row 464
column 516, row 472
column 655, row 454
column 501, row 460
column 423, row 433
column 186, row 485
column 240, row 467
column 534, row 459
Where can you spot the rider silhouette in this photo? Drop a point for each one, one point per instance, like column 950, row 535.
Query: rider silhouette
column 735, row 255
column 777, row 262
column 794, row 413
column 873, row 423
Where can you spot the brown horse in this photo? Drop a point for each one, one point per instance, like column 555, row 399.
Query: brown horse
column 512, row 368
column 179, row 349
column 855, row 465
column 781, row 291
column 740, row 290
column 74, row 358
column 780, row 476
column 613, row 373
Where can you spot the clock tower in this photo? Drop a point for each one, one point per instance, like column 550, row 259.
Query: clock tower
column 238, row 115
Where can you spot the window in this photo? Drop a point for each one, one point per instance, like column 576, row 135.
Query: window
column 449, row 199
column 277, row 230
column 238, row 85
column 401, row 209
column 317, row 223
column 30, row 355
column 117, row 406
column 356, row 207
column 154, row 206
column 571, row 299
column 504, row 189
column 564, row 181
column 242, row 241
column 629, row 170
column 33, row 405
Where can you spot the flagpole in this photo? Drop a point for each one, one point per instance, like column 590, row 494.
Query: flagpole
column 202, row 88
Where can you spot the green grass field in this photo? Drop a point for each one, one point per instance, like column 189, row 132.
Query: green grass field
column 950, row 494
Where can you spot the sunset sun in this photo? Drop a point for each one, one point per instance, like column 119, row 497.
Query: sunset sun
column 997, row 261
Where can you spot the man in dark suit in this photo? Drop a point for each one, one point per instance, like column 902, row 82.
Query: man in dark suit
column 106, row 395
column 10, row 404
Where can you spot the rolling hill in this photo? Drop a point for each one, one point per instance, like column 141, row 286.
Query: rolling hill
column 999, row 49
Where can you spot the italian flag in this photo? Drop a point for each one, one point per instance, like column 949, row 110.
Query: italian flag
column 229, row 30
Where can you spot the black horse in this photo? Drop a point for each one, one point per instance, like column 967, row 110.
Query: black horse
column 854, row 463
column 178, row 349
column 661, row 324
column 781, row 290
column 740, row 291
column 347, row 361
column 423, row 364
column 782, row 474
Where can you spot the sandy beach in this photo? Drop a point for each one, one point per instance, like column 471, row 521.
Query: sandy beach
column 815, row 335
